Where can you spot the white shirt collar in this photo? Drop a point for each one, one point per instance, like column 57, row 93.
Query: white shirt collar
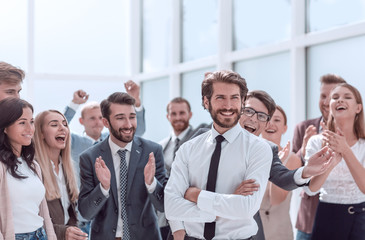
column 115, row 148
column 181, row 135
column 230, row 135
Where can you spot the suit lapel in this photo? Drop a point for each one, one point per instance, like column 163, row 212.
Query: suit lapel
column 134, row 160
column 108, row 159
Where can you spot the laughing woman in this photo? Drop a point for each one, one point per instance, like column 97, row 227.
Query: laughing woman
column 52, row 151
column 23, row 208
column 341, row 211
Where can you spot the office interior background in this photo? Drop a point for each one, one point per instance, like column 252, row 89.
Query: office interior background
column 280, row 46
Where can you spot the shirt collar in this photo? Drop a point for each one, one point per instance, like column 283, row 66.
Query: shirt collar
column 115, row 148
column 181, row 135
column 230, row 135
column 92, row 139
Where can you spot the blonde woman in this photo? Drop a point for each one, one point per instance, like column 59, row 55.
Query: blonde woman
column 275, row 206
column 52, row 152
column 23, row 208
column 341, row 210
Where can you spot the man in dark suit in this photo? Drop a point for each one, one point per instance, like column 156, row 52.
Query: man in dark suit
column 303, row 131
column 122, row 177
column 260, row 103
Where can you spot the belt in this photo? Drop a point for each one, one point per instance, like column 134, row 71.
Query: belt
column 193, row 238
column 355, row 209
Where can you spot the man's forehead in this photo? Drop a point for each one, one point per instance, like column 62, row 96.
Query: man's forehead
column 124, row 109
column 222, row 88
column 256, row 104
column 179, row 105
column 10, row 85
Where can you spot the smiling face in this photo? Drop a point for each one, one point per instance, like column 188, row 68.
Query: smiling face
column 275, row 128
column 252, row 124
column 122, row 123
column 179, row 116
column 20, row 133
column 324, row 99
column 343, row 104
column 55, row 131
column 93, row 123
column 224, row 106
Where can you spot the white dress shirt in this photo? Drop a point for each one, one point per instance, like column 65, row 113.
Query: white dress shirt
column 61, row 182
column 243, row 156
column 116, row 161
column 170, row 147
column 339, row 187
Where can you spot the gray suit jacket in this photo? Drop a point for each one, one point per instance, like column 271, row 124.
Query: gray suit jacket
column 93, row 205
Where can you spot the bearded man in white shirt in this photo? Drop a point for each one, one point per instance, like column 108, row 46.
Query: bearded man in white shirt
column 194, row 208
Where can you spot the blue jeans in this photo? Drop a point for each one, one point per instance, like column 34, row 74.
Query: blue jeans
column 85, row 227
column 39, row 234
column 303, row 236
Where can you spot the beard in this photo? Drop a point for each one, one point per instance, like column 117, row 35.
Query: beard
column 119, row 134
column 227, row 122
column 180, row 125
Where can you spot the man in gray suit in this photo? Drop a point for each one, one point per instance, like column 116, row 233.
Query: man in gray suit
column 122, row 177
column 178, row 114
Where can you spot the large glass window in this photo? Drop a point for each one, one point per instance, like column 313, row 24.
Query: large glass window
column 57, row 94
column 343, row 58
column 191, row 90
column 82, row 37
column 13, row 32
column 260, row 22
column 155, row 97
column 322, row 15
column 271, row 74
column 200, row 26
column 156, row 34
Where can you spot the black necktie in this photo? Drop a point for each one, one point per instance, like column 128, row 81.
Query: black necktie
column 177, row 140
column 209, row 228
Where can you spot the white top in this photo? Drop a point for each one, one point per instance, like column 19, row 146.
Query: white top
column 168, row 155
column 243, row 156
column 61, row 182
column 116, row 161
column 340, row 186
column 25, row 195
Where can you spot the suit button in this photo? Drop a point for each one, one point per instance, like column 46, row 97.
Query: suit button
column 113, row 230
column 267, row 212
column 116, row 211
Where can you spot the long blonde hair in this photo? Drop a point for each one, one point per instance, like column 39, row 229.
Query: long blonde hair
column 41, row 156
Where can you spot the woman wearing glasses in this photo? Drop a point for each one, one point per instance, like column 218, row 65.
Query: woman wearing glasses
column 341, row 211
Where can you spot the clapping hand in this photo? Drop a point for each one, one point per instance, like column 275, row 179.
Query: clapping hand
column 102, row 173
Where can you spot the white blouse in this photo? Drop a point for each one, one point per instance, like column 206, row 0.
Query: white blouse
column 25, row 195
column 61, row 182
column 340, row 187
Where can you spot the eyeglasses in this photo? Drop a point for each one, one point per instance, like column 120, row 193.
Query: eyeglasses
column 249, row 112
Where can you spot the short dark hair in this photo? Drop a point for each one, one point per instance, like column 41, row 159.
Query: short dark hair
column 225, row 76
column 10, row 74
column 265, row 98
column 331, row 79
column 178, row 100
column 11, row 110
column 117, row 98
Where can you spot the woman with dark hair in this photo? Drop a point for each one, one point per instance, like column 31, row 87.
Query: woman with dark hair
column 341, row 210
column 23, row 209
column 53, row 153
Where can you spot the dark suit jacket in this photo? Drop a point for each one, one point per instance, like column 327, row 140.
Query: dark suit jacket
column 93, row 205
column 308, row 204
column 58, row 217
